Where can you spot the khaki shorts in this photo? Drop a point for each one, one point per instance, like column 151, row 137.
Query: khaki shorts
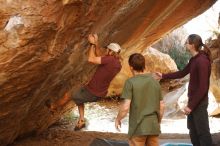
column 149, row 140
column 83, row 96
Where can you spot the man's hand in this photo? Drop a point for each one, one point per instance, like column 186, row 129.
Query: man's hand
column 96, row 38
column 187, row 110
column 157, row 76
column 93, row 38
column 118, row 124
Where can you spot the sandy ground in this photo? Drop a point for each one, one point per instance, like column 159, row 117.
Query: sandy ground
column 101, row 118
column 62, row 134
column 56, row 136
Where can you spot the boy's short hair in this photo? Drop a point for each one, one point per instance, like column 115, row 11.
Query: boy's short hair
column 137, row 61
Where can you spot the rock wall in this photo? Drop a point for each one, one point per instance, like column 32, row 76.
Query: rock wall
column 43, row 48
column 215, row 76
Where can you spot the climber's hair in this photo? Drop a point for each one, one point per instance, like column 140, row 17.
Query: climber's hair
column 137, row 62
column 196, row 40
column 115, row 54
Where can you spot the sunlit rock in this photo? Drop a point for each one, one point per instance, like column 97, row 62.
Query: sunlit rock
column 176, row 101
column 158, row 62
column 215, row 76
column 155, row 62
column 172, row 108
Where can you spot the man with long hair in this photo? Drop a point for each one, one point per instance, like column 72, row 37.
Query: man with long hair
column 199, row 68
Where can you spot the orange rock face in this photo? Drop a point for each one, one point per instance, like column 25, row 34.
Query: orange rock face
column 215, row 76
column 43, row 46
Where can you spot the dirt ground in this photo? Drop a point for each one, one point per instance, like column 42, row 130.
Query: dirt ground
column 62, row 133
column 56, row 136
column 59, row 136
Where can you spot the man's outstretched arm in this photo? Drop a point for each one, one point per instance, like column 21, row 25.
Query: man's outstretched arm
column 98, row 51
column 94, row 49
column 92, row 57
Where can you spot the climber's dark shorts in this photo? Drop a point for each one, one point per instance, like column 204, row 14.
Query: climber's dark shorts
column 83, row 95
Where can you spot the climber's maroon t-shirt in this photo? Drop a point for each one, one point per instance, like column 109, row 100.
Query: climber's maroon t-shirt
column 104, row 74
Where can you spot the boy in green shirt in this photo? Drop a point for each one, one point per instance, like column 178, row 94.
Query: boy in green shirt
column 143, row 100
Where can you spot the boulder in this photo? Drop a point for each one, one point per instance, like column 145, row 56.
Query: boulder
column 155, row 62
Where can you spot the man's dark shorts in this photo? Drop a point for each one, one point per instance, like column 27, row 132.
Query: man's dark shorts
column 83, row 96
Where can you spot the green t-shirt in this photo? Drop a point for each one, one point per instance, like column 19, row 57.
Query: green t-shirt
column 145, row 95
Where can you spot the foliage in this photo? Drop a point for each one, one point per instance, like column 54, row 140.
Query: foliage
column 173, row 44
column 180, row 56
column 70, row 117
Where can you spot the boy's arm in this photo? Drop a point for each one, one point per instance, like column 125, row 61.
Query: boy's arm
column 123, row 110
column 161, row 110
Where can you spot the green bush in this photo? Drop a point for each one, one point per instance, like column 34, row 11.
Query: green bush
column 173, row 45
column 180, row 55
